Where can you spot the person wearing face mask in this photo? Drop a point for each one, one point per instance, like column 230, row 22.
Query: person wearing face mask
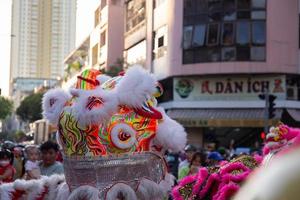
column 7, row 171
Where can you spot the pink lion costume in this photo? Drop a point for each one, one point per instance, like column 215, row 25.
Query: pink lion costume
column 113, row 135
column 216, row 183
column 279, row 176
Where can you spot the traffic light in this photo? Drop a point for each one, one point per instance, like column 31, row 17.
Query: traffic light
column 262, row 135
column 271, row 107
column 270, row 102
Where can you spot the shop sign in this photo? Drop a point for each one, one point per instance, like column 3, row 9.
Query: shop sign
column 228, row 88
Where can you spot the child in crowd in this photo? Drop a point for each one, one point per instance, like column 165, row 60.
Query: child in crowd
column 32, row 164
column 7, row 171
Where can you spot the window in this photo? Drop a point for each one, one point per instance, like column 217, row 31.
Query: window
column 161, row 41
column 214, row 6
column 243, row 4
column 187, row 36
column 136, row 54
column 259, row 4
column 258, row 32
column 199, row 35
column 243, row 53
column 258, row 53
column 95, row 54
column 213, row 35
column 243, row 33
column 228, row 54
column 228, row 34
column 135, row 13
column 102, row 39
column 224, row 30
column 258, row 15
column 97, row 17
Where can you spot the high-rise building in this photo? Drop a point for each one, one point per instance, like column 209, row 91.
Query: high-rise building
column 43, row 33
column 214, row 57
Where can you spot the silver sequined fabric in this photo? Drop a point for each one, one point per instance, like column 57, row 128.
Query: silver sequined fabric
column 104, row 172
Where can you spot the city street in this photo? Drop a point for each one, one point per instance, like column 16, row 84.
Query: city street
column 149, row 100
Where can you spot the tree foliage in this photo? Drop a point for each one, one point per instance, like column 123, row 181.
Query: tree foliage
column 6, row 107
column 115, row 69
column 15, row 136
column 30, row 108
column 19, row 136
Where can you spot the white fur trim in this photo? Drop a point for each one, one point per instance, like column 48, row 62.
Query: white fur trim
column 134, row 88
column 126, row 191
column 103, row 78
column 271, row 135
column 276, row 181
column 33, row 188
column 167, row 184
column 6, row 190
column 276, row 144
column 63, row 192
column 149, row 190
column 95, row 115
column 74, row 91
column 272, row 144
column 53, row 182
column 58, row 97
column 85, row 192
column 272, row 129
column 170, row 134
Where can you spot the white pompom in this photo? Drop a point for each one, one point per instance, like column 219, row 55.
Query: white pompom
column 134, row 88
column 53, row 103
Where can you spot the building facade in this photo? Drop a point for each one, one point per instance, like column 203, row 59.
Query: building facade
column 107, row 37
column 103, row 48
column 43, row 33
column 214, row 57
column 75, row 63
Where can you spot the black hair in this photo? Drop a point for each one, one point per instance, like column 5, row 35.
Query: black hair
column 7, row 154
column 202, row 156
column 49, row 145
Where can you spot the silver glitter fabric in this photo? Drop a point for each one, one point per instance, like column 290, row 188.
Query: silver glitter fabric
column 104, row 172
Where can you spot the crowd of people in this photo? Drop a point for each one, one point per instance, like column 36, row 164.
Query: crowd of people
column 192, row 159
column 33, row 161
column 29, row 162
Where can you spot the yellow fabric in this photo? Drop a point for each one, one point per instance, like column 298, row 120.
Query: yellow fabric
column 18, row 165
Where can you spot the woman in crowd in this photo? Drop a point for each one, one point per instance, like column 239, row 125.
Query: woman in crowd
column 198, row 160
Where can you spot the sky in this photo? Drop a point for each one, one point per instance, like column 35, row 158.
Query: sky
column 84, row 25
column 85, row 18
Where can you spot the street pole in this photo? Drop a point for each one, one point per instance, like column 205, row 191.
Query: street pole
column 266, row 114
